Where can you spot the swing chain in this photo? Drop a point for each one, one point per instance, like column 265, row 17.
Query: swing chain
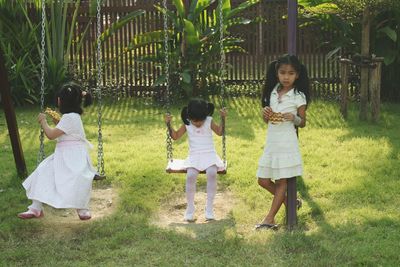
column 221, row 76
column 100, row 153
column 167, row 91
column 41, row 154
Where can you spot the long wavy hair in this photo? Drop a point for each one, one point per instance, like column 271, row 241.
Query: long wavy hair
column 301, row 84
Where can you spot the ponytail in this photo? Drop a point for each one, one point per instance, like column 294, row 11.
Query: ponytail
column 185, row 115
column 271, row 80
column 210, row 107
column 87, row 98
column 303, row 83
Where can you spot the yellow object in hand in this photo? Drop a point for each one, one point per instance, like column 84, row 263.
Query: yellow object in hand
column 276, row 118
column 53, row 114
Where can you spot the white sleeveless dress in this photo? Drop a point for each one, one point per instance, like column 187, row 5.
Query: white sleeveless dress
column 281, row 157
column 64, row 179
column 202, row 153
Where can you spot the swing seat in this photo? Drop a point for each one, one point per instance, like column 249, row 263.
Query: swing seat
column 177, row 166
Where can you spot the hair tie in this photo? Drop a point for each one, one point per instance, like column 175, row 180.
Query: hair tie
column 84, row 93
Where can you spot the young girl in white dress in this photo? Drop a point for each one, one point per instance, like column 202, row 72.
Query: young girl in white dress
column 198, row 124
column 286, row 94
column 64, row 179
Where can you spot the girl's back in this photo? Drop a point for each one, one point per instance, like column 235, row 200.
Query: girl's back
column 71, row 124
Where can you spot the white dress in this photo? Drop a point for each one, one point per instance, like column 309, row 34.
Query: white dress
column 281, row 157
column 64, row 179
column 202, row 153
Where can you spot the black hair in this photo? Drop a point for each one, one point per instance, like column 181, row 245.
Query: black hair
column 301, row 84
column 197, row 110
column 71, row 95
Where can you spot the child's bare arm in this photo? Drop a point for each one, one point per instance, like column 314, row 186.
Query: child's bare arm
column 177, row 134
column 51, row 133
column 301, row 111
column 266, row 113
column 299, row 119
column 219, row 129
column 174, row 134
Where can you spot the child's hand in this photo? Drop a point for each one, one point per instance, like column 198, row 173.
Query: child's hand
column 55, row 121
column 41, row 117
column 223, row 112
column 288, row 116
column 267, row 112
column 168, row 117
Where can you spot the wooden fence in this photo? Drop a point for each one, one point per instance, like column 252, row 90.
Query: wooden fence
column 264, row 42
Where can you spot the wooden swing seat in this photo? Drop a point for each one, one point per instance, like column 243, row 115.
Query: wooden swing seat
column 177, row 166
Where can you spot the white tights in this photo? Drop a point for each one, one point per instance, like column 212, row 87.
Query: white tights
column 37, row 205
column 191, row 177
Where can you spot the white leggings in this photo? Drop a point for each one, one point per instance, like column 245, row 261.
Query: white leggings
column 37, row 205
column 191, row 177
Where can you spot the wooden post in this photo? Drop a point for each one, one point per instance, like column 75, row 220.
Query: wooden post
column 11, row 119
column 291, row 211
column 344, row 76
column 366, row 25
column 375, row 86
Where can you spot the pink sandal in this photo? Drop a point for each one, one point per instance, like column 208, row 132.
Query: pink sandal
column 31, row 214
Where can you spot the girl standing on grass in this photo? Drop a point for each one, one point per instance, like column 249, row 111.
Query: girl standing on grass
column 284, row 100
column 64, row 179
column 198, row 124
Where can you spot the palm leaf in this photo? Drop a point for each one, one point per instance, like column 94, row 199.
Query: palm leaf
column 240, row 8
column 120, row 23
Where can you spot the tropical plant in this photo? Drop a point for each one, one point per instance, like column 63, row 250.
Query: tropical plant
column 18, row 44
column 343, row 17
column 194, row 43
column 59, row 39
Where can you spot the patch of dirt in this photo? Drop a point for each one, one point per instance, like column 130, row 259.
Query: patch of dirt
column 171, row 214
column 61, row 222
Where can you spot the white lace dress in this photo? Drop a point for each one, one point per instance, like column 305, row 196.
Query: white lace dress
column 64, row 179
column 202, row 153
column 281, row 157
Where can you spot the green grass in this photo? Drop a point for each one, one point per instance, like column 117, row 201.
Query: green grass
column 350, row 189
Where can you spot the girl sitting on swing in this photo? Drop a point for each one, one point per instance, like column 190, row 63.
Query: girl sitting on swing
column 198, row 124
column 64, row 179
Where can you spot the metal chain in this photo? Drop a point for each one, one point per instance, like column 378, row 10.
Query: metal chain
column 99, row 67
column 41, row 154
column 221, row 76
column 167, row 91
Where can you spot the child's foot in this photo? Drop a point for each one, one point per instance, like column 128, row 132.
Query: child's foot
column 209, row 214
column 189, row 215
column 31, row 214
column 84, row 214
column 266, row 226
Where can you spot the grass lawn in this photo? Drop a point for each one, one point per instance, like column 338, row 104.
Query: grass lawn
column 350, row 193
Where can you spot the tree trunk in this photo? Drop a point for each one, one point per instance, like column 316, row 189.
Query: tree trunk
column 365, row 42
column 11, row 119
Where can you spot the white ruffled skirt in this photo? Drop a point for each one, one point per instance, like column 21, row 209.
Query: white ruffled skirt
column 281, row 158
column 201, row 161
column 64, row 179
